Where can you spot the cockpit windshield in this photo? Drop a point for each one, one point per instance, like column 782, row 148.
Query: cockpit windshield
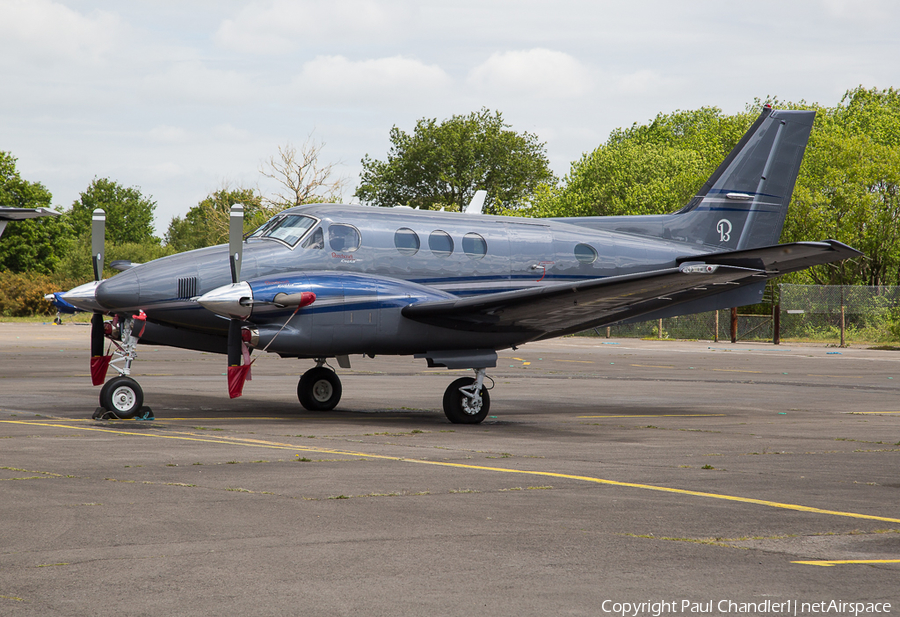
column 288, row 228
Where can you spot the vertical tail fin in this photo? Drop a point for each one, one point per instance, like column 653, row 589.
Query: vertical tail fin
column 744, row 203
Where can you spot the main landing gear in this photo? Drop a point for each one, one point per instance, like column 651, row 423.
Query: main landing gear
column 466, row 400
column 319, row 388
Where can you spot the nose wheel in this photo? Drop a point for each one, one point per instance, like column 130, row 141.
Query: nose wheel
column 121, row 397
column 319, row 389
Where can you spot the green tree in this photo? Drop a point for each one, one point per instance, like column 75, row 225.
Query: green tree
column 35, row 244
column 849, row 188
column 129, row 215
column 206, row 224
column 647, row 169
column 441, row 165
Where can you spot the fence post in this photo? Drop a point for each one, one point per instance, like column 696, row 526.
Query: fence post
column 776, row 324
column 716, row 336
column 842, row 316
column 734, row 324
column 659, row 330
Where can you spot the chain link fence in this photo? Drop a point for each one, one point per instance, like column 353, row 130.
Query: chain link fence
column 838, row 314
column 843, row 313
column 699, row 326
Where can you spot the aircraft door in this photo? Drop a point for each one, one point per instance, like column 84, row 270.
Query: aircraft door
column 530, row 251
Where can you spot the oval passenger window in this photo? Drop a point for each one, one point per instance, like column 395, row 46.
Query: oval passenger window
column 343, row 238
column 585, row 254
column 406, row 241
column 440, row 243
column 474, row 246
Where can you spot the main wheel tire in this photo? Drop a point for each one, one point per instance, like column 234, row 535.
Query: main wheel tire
column 460, row 409
column 319, row 389
column 123, row 396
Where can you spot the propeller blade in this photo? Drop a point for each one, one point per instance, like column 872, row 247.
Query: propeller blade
column 237, row 373
column 98, row 238
column 236, row 241
column 99, row 362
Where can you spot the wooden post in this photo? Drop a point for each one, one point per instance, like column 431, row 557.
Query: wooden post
column 659, row 330
column 776, row 324
column 842, row 315
column 842, row 326
column 734, row 325
column 607, row 331
column 716, row 335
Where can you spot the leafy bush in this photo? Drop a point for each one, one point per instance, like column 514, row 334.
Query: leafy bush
column 22, row 294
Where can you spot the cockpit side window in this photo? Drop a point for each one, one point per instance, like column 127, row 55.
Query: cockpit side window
column 286, row 228
column 343, row 238
column 315, row 240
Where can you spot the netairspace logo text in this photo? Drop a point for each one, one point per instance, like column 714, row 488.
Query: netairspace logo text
column 728, row 607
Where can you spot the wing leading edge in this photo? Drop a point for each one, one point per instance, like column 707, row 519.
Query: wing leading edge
column 565, row 308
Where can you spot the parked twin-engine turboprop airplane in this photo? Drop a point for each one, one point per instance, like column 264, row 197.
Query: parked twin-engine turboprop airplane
column 328, row 281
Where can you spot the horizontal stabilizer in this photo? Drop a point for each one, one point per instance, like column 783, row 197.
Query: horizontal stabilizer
column 781, row 258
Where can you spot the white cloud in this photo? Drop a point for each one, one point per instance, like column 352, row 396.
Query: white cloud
column 642, row 82
column 38, row 31
column 227, row 132
column 192, row 82
column 283, row 25
column 168, row 134
column 543, row 73
column 869, row 12
column 397, row 78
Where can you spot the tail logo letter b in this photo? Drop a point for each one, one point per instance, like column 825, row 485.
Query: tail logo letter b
column 724, row 229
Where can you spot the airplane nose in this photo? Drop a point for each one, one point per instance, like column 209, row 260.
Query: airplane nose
column 84, row 297
column 121, row 291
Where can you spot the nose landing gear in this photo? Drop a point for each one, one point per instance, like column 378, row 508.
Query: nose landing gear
column 122, row 397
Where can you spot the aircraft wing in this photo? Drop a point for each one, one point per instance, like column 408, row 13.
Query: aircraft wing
column 564, row 308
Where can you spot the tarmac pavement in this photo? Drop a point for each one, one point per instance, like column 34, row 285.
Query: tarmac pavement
column 609, row 473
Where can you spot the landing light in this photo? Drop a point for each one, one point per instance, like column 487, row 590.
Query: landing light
column 699, row 268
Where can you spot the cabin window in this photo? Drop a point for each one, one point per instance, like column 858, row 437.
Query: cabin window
column 585, row 254
column 474, row 246
column 315, row 240
column 406, row 241
column 440, row 243
column 286, row 228
column 343, row 238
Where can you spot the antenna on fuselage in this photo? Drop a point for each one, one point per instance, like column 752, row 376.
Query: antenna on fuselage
column 477, row 204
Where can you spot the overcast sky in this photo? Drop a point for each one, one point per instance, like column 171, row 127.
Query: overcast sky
column 179, row 97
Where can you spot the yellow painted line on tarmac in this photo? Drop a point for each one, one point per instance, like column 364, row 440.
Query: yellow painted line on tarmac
column 652, row 366
column 732, row 370
column 665, row 415
column 846, row 561
column 259, row 443
column 577, row 361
